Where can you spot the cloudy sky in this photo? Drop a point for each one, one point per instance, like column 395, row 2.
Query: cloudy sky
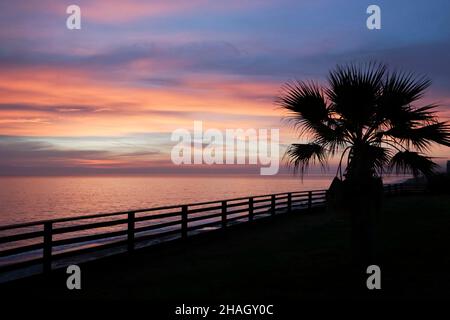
column 107, row 97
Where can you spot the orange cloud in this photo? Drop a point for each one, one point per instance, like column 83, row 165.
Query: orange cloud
column 72, row 103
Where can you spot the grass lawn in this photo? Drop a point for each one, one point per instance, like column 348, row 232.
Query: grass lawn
column 289, row 257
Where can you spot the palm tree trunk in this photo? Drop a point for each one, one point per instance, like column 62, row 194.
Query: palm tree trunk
column 364, row 199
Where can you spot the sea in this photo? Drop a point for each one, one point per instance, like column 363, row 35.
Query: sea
column 24, row 199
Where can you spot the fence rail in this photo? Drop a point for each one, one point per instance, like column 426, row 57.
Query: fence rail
column 44, row 243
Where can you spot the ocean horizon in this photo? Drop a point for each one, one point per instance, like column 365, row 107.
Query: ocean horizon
column 50, row 197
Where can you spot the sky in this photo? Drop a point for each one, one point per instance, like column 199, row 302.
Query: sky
column 106, row 98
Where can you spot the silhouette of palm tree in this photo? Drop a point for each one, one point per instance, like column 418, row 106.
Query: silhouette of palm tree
column 366, row 115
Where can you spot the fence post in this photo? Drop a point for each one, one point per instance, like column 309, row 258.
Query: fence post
column 224, row 214
column 309, row 200
column 289, row 203
column 272, row 205
column 250, row 209
column 184, row 222
column 130, row 234
column 47, row 251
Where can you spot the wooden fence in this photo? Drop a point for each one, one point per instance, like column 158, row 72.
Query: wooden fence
column 44, row 243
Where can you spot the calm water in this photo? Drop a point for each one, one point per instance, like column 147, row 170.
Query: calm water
column 35, row 198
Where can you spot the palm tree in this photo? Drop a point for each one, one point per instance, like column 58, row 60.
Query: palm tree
column 366, row 115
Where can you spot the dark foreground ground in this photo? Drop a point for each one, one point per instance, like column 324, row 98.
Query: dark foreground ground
column 286, row 258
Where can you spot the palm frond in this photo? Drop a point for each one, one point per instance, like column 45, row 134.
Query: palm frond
column 412, row 162
column 354, row 90
column 422, row 138
column 409, row 116
column 422, row 114
column 377, row 157
column 331, row 138
column 300, row 156
column 306, row 105
column 403, row 88
column 399, row 91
